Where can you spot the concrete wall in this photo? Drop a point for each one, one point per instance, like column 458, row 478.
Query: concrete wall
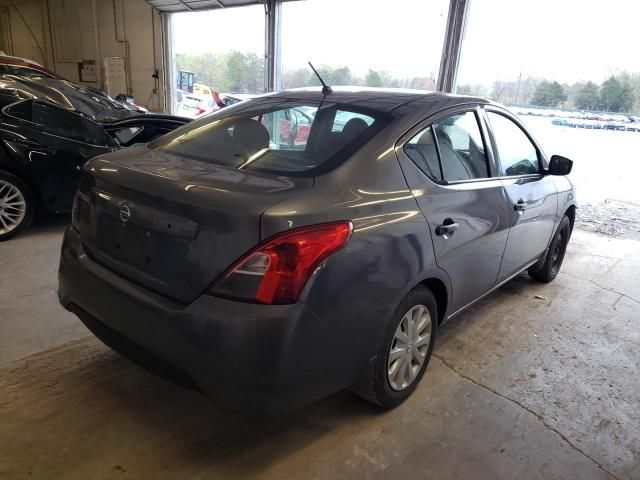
column 73, row 31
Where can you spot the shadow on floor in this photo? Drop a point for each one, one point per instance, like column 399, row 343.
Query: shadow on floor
column 44, row 224
column 109, row 408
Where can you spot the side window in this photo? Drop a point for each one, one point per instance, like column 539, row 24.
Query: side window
column 421, row 149
column 451, row 149
column 59, row 122
column 63, row 123
column 518, row 156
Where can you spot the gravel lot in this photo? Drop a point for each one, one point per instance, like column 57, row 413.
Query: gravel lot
column 605, row 171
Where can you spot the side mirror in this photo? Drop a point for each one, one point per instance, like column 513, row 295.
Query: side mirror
column 559, row 165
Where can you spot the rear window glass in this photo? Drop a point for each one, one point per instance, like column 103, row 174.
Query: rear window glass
column 276, row 136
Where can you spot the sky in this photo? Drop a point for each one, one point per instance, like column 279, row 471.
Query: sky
column 563, row 40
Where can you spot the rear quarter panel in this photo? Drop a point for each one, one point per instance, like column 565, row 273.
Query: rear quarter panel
column 389, row 252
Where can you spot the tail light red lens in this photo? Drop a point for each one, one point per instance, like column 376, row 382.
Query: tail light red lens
column 276, row 271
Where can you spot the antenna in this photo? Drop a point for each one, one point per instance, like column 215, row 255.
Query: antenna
column 326, row 89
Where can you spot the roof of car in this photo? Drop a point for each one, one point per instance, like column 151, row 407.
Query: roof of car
column 25, row 62
column 12, row 59
column 379, row 98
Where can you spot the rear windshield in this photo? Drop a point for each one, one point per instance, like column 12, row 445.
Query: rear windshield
column 276, row 136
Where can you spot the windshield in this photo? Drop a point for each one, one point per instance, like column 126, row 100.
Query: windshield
column 277, row 136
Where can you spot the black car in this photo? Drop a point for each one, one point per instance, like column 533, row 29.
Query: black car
column 48, row 129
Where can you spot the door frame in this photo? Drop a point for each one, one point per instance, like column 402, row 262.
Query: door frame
column 447, row 112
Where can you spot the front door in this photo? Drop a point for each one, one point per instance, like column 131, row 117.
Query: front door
column 449, row 169
column 531, row 195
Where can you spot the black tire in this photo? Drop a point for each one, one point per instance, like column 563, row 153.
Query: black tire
column 8, row 180
column 554, row 254
column 383, row 393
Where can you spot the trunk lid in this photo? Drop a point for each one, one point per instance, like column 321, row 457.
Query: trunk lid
column 170, row 223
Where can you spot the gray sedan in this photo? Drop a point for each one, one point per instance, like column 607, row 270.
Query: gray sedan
column 268, row 268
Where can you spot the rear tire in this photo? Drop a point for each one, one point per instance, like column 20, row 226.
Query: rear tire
column 17, row 206
column 554, row 254
column 405, row 353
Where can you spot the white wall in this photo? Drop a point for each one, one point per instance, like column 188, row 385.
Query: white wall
column 23, row 43
column 71, row 31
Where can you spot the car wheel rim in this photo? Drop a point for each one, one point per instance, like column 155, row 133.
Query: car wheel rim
column 409, row 347
column 13, row 207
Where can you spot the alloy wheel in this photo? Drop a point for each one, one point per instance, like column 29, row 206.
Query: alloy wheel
column 409, row 347
column 13, row 207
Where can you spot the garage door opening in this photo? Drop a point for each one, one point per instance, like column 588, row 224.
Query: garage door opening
column 579, row 95
column 217, row 58
column 363, row 42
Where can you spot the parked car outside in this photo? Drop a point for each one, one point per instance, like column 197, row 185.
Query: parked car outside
column 268, row 275
column 47, row 132
column 194, row 106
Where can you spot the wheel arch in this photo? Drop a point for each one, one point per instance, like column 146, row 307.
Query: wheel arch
column 439, row 290
column 571, row 213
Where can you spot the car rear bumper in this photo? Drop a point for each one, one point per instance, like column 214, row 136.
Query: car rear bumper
column 244, row 357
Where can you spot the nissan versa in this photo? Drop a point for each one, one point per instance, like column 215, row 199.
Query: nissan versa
column 268, row 272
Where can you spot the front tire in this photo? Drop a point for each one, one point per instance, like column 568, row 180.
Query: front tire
column 405, row 353
column 16, row 206
column 555, row 253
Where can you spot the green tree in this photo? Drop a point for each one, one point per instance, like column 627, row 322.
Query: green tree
column 549, row 94
column 300, row 77
column 588, row 97
column 616, row 95
column 376, row 78
column 372, row 79
column 333, row 76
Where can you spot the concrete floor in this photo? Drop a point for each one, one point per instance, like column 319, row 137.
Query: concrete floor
column 535, row 381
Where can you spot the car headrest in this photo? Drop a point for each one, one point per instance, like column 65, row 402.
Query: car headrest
column 251, row 134
column 353, row 127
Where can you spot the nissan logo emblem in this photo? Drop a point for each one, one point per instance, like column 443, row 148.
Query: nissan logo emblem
column 125, row 213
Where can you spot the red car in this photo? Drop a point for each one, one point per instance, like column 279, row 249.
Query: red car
column 23, row 67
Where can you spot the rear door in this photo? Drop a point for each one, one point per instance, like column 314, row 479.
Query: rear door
column 451, row 172
column 531, row 195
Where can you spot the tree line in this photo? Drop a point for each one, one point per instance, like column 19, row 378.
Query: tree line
column 243, row 72
column 619, row 93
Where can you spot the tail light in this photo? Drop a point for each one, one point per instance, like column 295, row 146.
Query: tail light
column 276, row 271
column 199, row 111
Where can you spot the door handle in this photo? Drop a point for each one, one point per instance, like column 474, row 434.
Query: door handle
column 447, row 227
column 520, row 207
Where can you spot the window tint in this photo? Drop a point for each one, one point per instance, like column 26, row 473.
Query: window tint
column 518, row 156
column 60, row 122
column 451, row 149
column 290, row 140
column 421, row 149
column 461, row 148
